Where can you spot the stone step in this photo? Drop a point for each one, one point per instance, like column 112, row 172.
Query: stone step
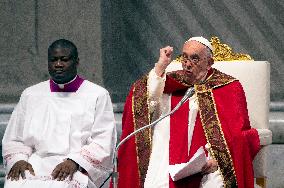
column 2, row 171
column 276, row 125
column 2, row 176
column 2, row 181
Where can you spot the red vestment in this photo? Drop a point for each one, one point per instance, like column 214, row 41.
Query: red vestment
column 241, row 141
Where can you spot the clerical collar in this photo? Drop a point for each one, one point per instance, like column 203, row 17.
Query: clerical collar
column 71, row 86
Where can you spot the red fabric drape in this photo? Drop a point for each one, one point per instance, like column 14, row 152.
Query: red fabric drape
column 242, row 140
column 127, row 155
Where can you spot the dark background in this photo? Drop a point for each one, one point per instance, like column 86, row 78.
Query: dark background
column 119, row 40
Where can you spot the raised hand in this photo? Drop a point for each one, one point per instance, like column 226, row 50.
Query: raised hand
column 164, row 60
column 64, row 169
column 19, row 169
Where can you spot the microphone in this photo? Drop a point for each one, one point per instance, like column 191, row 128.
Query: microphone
column 189, row 93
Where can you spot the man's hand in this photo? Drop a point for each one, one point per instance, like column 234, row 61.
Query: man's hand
column 164, row 60
column 19, row 169
column 64, row 169
column 210, row 167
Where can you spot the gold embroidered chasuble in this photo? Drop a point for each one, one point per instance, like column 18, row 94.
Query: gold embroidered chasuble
column 209, row 119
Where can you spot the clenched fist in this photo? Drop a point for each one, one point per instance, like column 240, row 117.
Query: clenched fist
column 164, row 60
column 19, row 169
column 64, row 169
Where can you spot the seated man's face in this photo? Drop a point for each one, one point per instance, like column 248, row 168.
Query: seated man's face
column 195, row 62
column 61, row 65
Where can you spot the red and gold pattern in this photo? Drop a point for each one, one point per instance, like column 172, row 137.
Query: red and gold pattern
column 212, row 126
column 227, row 119
column 211, row 123
column 215, row 137
column 141, row 117
column 209, row 116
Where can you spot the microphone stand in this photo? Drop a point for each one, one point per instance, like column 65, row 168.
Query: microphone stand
column 187, row 95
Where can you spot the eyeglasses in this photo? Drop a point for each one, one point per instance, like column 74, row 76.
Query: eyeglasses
column 184, row 58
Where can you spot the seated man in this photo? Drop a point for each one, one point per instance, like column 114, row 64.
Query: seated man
column 62, row 132
column 215, row 118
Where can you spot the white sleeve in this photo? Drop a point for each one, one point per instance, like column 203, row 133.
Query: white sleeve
column 96, row 156
column 156, row 86
column 13, row 146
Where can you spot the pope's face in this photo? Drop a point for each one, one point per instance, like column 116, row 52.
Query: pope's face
column 195, row 61
column 61, row 65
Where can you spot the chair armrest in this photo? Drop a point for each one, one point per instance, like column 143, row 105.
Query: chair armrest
column 265, row 136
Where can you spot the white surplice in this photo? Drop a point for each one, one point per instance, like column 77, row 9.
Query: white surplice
column 158, row 169
column 48, row 127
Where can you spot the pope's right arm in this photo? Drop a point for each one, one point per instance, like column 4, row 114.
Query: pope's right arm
column 156, row 86
column 156, row 80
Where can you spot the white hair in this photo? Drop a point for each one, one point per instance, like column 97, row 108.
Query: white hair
column 209, row 53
